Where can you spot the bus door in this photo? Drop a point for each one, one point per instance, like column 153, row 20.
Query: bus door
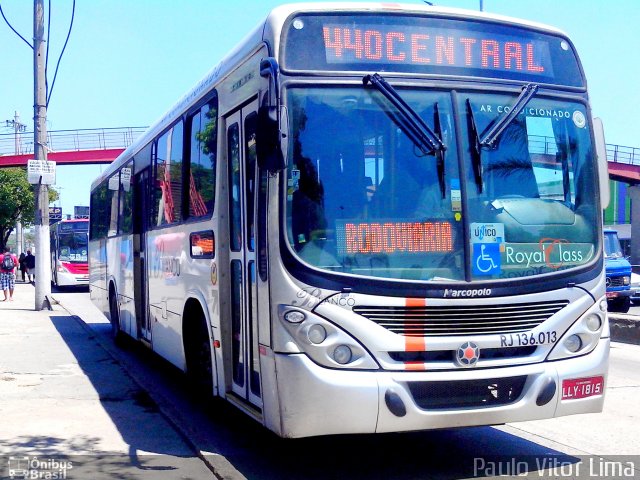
column 241, row 154
column 140, row 225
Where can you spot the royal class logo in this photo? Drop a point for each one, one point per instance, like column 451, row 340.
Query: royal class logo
column 552, row 253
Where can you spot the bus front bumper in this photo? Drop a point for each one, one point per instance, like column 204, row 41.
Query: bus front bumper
column 320, row 401
column 70, row 280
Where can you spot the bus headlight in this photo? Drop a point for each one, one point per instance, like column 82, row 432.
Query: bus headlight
column 583, row 336
column 323, row 341
column 573, row 343
column 593, row 322
column 294, row 316
column 62, row 269
column 342, row 354
column 316, row 334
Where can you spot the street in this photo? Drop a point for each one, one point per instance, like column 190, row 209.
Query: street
column 240, row 448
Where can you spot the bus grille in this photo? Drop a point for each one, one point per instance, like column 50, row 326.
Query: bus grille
column 461, row 320
column 448, row 356
column 488, row 392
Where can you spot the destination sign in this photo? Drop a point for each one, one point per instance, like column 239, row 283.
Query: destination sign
column 429, row 45
column 437, row 46
column 77, row 226
column 393, row 237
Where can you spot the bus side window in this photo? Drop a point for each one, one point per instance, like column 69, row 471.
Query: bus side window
column 202, row 160
column 125, row 224
column 168, row 178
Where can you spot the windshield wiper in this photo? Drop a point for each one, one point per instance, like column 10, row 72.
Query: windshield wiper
column 476, row 148
column 422, row 136
column 494, row 130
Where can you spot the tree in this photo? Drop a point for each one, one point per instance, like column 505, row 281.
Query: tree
column 17, row 201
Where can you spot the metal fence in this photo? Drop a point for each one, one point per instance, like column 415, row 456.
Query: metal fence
column 72, row 140
column 622, row 154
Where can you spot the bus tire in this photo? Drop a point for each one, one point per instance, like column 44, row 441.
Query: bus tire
column 624, row 305
column 114, row 317
column 620, row 305
column 197, row 348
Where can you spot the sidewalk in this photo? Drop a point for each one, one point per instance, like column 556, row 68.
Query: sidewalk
column 65, row 400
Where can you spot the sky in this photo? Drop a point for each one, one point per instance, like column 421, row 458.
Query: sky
column 128, row 61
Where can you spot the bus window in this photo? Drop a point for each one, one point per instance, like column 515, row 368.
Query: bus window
column 114, row 188
column 235, row 227
column 99, row 212
column 168, row 178
column 202, row 160
column 126, row 200
column 250, row 177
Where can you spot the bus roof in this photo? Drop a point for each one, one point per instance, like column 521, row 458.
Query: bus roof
column 271, row 27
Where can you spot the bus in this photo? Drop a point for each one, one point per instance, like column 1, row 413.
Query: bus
column 369, row 218
column 69, row 253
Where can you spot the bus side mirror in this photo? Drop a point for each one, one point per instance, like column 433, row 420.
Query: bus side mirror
column 603, row 166
column 269, row 147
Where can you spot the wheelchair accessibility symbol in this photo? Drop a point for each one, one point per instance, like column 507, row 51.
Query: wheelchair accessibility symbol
column 486, row 258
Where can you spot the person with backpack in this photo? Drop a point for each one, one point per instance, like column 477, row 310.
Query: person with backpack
column 8, row 264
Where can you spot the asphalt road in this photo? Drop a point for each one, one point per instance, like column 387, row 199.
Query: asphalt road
column 580, row 446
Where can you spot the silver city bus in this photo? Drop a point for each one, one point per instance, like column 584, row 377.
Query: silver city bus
column 369, row 218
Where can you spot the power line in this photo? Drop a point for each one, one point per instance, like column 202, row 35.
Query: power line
column 14, row 30
column 46, row 58
column 73, row 14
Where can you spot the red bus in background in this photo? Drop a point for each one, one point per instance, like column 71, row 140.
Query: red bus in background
column 69, row 246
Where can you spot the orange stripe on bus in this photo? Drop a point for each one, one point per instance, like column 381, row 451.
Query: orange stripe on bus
column 413, row 366
column 415, row 302
column 414, row 344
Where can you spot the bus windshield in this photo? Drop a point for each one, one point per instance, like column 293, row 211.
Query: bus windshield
column 364, row 199
column 612, row 248
column 73, row 246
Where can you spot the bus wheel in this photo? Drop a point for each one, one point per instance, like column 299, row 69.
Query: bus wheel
column 198, row 353
column 114, row 317
column 620, row 305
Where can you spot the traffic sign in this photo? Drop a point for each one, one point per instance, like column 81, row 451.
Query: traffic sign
column 41, row 171
column 55, row 214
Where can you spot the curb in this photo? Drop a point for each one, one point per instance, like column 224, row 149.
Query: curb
column 220, row 467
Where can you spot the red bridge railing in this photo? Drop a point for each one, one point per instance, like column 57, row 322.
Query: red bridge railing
column 72, row 140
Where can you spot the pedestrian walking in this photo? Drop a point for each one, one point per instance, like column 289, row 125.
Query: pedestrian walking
column 8, row 264
column 30, row 262
column 22, row 266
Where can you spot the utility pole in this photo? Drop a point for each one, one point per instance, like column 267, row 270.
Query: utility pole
column 43, row 253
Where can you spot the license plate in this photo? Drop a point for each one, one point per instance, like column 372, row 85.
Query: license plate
column 612, row 294
column 575, row 388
